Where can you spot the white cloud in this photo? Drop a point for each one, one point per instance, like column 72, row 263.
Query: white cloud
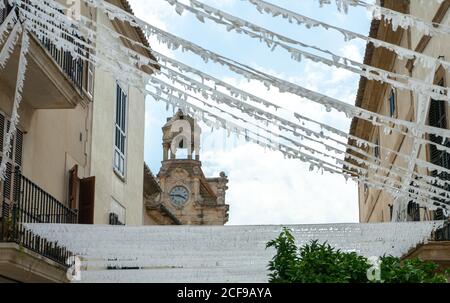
column 266, row 188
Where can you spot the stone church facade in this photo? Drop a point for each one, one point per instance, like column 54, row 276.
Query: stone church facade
column 181, row 194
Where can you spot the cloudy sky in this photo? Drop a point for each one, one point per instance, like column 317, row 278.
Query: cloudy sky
column 265, row 188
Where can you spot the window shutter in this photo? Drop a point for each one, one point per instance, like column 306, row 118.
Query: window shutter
column 392, row 103
column 86, row 202
column 14, row 159
column 74, row 183
column 437, row 117
column 8, row 125
column 18, row 148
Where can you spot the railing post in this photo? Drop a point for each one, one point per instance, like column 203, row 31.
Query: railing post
column 14, row 228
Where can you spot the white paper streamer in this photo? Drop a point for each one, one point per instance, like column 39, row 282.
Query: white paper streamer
column 9, row 45
column 16, row 103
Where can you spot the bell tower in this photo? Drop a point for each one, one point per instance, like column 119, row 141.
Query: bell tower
column 186, row 195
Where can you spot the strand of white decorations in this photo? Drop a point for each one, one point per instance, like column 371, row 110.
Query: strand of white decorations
column 52, row 13
column 9, row 45
column 16, row 102
column 196, row 86
column 4, row 27
column 167, row 89
column 219, row 97
column 308, row 132
column 116, row 12
column 277, row 11
column 237, row 93
column 397, row 19
column 73, row 46
column 420, row 196
column 428, row 164
column 400, row 204
column 171, row 90
column 273, row 39
column 424, row 162
column 175, row 42
column 249, row 73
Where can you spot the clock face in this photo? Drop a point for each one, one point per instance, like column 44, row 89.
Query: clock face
column 179, row 195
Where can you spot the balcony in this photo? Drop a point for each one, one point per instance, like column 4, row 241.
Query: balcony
column 25, row 202
column 57, row 77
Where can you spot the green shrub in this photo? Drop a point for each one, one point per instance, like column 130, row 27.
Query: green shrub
column 410, row 271
column 321, row 263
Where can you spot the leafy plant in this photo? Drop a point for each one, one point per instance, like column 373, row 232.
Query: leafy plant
column 411, row 271
column 284, row 264
column 321, row 263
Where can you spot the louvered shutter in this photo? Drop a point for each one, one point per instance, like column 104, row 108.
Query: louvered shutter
column 14, row 158
column 74, row 183
column 18, row 149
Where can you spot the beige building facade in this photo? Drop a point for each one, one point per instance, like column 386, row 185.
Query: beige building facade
column 181, row 194
column 78, row 154
column 68, row 119
column 377, row 205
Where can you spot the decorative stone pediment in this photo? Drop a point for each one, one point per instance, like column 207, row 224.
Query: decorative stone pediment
column 179, row 174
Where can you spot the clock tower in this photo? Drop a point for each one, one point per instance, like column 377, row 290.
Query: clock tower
column 181, row 193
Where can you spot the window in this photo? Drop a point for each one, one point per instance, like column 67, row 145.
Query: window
column 120, row 132
column 376, row 149
column 90, row 79
column 413, row 211
column 392, row 103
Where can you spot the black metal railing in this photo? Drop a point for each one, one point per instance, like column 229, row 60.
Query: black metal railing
column 34, row 205
column 31, row 204
column 114, row 219
column 71, row 65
